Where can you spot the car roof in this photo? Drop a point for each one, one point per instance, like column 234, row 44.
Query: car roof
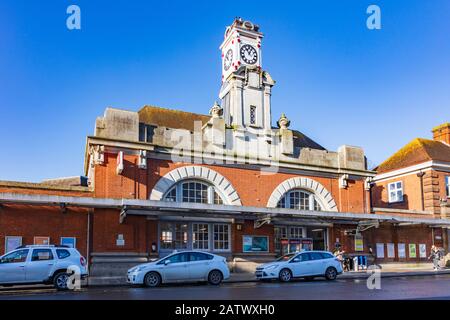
column 45, row 246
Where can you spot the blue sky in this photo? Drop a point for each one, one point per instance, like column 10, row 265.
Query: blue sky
column 337, row 81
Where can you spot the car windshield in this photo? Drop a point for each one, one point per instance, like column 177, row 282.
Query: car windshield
column 286, row 257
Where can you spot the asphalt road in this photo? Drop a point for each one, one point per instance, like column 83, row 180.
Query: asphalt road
column 418, row 287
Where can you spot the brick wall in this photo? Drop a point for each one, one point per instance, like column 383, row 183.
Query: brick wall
column 136, row 230
column 30, row 221
column 249, row 230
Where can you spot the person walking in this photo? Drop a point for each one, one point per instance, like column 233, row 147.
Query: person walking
column 435, row 255
column 339, row 254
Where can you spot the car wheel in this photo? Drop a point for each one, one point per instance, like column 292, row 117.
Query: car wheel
column 60, row 280
column 152, row 279
column 331, row 273
column 215, row 277
column 285, row 275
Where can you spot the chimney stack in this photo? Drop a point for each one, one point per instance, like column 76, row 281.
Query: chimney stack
column 442, row 133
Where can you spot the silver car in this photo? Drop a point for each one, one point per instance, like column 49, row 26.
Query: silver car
column 45, row 264
column 183, row 266
column 306, row 264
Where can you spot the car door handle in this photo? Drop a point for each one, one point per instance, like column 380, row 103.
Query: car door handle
column 21, row 266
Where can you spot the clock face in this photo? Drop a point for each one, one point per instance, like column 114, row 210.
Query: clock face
column 227, row 60
column 249, row 54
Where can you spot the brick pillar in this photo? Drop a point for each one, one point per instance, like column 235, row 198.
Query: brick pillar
column 431, row 192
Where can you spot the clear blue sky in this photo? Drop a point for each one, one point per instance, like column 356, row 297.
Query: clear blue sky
column 337, row 81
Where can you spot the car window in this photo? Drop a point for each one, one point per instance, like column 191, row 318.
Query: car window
column 16, row 256
column 199, row 256
column 62, row 253
column 326, row 255
column 316, row 255
column 286, row 257
column 180, row 257
column 302, row 257
column 41, row 254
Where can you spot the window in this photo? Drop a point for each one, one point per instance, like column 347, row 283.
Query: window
column 146, row 132
column 16, row 256
column 395, row 190
column 252, row 115
column 181, row 235
column 176, row 258
column 172, row 195
column 173, row 235
column 326, row 255
column 300, row 200
column 304, row 257
column 62, row 253
column 316, row 256
column 447, row 185
column 198, row 256
column 194, row 191
column 221, row 237
column 296, row 232
column 200, row 236
column 42, row 254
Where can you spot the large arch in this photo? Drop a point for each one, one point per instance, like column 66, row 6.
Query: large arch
column 226, row 189
column 321, row 193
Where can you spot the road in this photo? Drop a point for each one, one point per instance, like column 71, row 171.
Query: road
column 418, row 287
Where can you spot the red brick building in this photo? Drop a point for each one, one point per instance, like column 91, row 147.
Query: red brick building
column 228, row 182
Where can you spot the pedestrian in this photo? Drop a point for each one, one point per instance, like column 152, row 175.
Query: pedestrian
column 435, row 255
column 339, row 254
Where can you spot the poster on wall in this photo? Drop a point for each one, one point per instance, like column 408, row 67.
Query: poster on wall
column 69, row 241
column 12, row 243
column 380, row 250
column 255, row 244
column 412, row 250
column 41, row 241
column 401, row 250
column 390, row 250
column 359, row 243
column 422, row 250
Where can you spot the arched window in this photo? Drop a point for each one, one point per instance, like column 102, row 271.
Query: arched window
column 300, row 200
column 193, row 191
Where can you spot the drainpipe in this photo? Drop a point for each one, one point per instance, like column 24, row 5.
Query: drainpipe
column 420, row 175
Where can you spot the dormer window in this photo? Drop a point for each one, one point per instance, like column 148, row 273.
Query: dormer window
column 395, row 191
column 252, row 115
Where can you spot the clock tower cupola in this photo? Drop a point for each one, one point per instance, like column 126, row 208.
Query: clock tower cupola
column 246, row 88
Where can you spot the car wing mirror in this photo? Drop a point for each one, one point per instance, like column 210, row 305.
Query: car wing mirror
column 296, row 260
column 166, row 262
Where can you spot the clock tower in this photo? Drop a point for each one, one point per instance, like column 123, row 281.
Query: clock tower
column 246, row 88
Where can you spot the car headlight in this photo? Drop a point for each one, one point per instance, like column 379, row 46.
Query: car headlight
column 270, row 267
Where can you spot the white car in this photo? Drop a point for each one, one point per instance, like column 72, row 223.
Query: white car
column 306, row 264
column 185, row 266
column 41, row 264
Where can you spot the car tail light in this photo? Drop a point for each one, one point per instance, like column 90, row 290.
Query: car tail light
column 83, row 261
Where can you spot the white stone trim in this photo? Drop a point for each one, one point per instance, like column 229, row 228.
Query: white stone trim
column 222, row 185
column 322, row 194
